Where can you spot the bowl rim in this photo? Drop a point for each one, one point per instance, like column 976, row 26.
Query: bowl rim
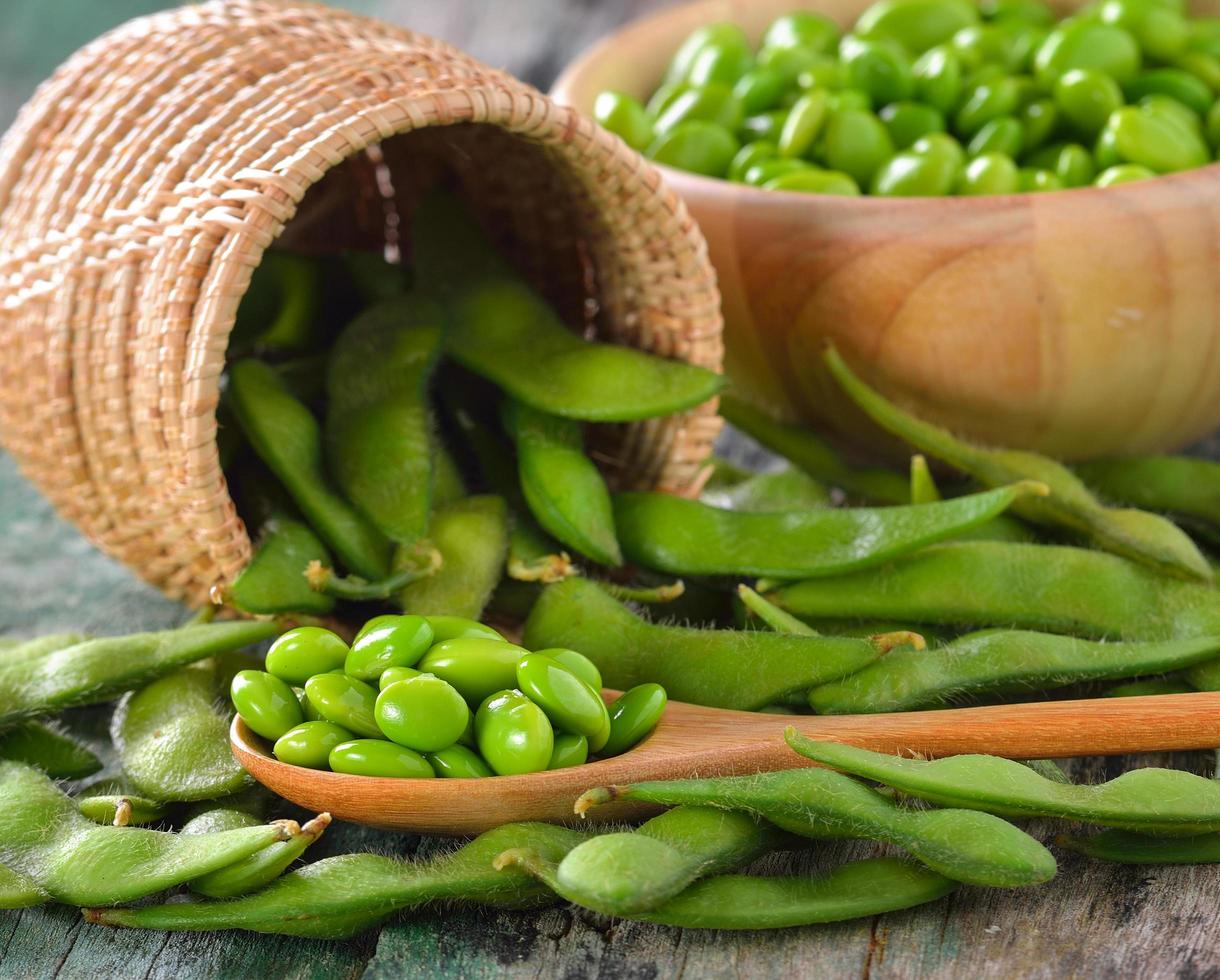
column 575, row 71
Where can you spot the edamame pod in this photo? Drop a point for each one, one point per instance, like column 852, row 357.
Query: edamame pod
column 1179, row 485
column 697, row 665
column 274, row 581
column 1126, row 847
column 787, row 489
column 564, row 490
column 263, row 866
column 377, row 442
column 21, row 651
column 1156, row 801
column 1133, row 533
column 686, row 537
column 49, row 748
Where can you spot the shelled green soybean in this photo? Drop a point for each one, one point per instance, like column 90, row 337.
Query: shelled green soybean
column 937, row 97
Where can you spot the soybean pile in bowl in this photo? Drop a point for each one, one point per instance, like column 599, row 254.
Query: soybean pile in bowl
column 1079, row 322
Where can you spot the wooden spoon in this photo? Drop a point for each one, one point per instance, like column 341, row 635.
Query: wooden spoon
column 696, row 741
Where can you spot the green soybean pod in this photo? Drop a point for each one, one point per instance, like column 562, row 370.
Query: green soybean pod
column 458, row 762
column 377, row 757
column 472, row 538
column 265, row 703
column 172, row 738
column 19, row 891
column 937, row 75
column 49, row 748
column 344, row 701
column 570, row 750
column 686, row 537
column 1180, row 485
column 387, row 641
column 701, row 666
column 288, row 439
column 991, row 173
column 378, row 447
column 1127, row 847
column 274, row 581
column 570, row 703
column 262, row 867
column 633, row 717
column 1136, row 534
column 1086, row 98
column 625, row 117
column 564, row 490
column 112, row 804
column 477, row 667
column 305, row 651
column 696, row 145
column 513, row 734
column 857, row 143
column 309, row 743
column 22, row 651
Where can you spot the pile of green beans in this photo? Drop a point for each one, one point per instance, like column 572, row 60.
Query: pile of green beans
column 928, row 98
column 418, row 697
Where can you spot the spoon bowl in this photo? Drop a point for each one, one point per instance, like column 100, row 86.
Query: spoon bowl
column 696, row 741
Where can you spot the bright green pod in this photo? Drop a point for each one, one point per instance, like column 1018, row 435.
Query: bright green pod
column 458, row 762
column 633, row 717
column 50, row 749
column 309, row 743
column 570, row 703
column 857, row 143
column 1004, row 136
column 1086, row 98
column 377, row 757
column 713, row 103
column 455, row 627
column 803, row 124
column 909, row 121
column 625, row 117
column 112, row 804
column 513, row 734
column 750, row 155
column 387, row 641
column 563, row 488
column 1155, row 141
column 1127, row 847
column 577, row 663
column 877, row 67
column 1084, row 43
column 261, row 868
column 1161, row 31
column 344, row 701
column 985, row 102
column 916, row 24
column 802, row 29
column 305, row 651
column 392, row 675
column 991, row 173
column 910, row 174
column 1175, row 83
column 18, row 891
column 570, row 750
column 1127, row 173
column 697, row 146
column 758, row 89
column 813, row 181
column 1038, row 120
column 378, row 443
column 279, row 310
column 265, row 703
column 274, row 581
column 423, row 713
column 938, row 78
column 477, row 667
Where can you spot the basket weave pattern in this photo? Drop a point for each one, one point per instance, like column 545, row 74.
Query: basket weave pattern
column 142, row 183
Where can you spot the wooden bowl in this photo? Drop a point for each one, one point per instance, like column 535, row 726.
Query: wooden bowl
column 1081, row 323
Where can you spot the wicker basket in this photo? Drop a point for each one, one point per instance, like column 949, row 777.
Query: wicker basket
column 141, row 185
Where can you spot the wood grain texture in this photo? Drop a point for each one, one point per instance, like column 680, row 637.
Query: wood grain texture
column 1014, row 320
column 695, row 741
column 1094, row 920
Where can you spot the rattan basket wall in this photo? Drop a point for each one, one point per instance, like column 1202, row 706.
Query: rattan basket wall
column 142, row 183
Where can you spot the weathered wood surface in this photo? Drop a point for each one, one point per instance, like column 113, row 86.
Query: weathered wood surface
column 1091, row 921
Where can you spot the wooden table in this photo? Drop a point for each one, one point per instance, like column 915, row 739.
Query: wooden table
column 1091, row 921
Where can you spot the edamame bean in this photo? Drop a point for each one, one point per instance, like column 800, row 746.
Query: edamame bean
column 1136, row 534
column 712, row 103
column 967, row 846
column 1003, row 135
column 455, row 627
column 991, row 173
column 513, row 733
column 937, row 76
column 387, row 641
column 577, row 663
column 74, row 861
column 701, row 666
column 802, row 29
column 625, row 117
column 698, row 146
column 172, row 738
column 916, row 24
column 1154, row 140
column 569, row 703
column 1162, row 801
column 392, row 675
column 762, row 127
column 909, row 121
column 998, row 662
column 1086, row 98
column 305, row 651
column 811, row 181
column 763, row 173
column 343, row 701
column 985, row 102
column 424, row 713
column 1038, row 120
column 803, row 124
column 1160, row 30
column 686, row 537
column 459, row 762
column 911, row 174
column 633, row 716
column 857, row 143
column 750, row 156
column 1181, row 86
column 757, row 90
column 377, row 757
column 1127, row 173
column 475, row 666
column 570, row 750
column 266, row 704
column 1087, row 44
column 1033, row 180
column 878, row 68
column 309, row 743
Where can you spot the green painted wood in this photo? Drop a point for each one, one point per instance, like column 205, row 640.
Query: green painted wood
column 1093, row 920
